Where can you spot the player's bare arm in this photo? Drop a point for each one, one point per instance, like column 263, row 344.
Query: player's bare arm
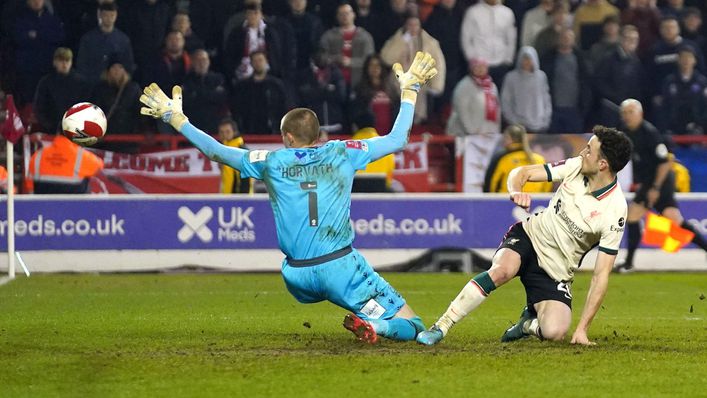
column 517, row 179
column 597, row 291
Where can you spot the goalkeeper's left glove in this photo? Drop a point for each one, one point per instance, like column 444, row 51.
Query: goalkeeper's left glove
column 162, row 107
column 420, row 72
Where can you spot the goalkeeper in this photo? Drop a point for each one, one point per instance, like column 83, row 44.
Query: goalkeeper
column 310, row 192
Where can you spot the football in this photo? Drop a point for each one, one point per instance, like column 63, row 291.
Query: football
column 84, row 123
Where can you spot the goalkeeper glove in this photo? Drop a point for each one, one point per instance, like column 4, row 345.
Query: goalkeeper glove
column 162, row 107
column 420, row 72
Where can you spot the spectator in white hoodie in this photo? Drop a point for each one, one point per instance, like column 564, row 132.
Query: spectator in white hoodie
column 489, row 32
column 525, row 97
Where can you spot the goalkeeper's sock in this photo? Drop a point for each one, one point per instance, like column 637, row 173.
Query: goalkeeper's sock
column 698, row 239
column 398, row 328
column 472, row 295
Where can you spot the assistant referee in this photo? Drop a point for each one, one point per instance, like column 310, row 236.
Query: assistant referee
column 653, row 179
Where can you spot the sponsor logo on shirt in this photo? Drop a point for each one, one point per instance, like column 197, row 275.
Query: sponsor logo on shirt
column 257, row 155
column 512, row 241
column 620, row 228
column 353, row 144
column 372, row 309
column 565, row 288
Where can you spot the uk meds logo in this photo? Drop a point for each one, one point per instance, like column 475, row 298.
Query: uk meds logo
column 195, row 224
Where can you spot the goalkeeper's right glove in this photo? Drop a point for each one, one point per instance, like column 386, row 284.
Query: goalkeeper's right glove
column 420, row 72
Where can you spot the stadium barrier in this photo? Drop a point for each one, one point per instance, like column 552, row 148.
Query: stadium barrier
column 113, row 233
column 427, row 164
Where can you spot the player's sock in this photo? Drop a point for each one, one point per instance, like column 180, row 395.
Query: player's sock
column 532, row 326
column 471, row 296
column 634, row 238
column 398, row 328
column 698, row 239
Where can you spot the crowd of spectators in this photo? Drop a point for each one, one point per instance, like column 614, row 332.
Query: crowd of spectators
column 554, row 66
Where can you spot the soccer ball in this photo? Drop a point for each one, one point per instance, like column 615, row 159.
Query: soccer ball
column 84, row 123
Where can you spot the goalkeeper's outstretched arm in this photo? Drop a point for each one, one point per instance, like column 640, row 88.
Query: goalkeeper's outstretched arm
column 420, row 72
column 159, row 106
column 213, row 149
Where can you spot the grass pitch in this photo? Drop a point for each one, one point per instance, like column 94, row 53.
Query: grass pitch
column 238, row 335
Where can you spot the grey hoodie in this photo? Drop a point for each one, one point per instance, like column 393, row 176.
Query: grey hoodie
column 525, row 96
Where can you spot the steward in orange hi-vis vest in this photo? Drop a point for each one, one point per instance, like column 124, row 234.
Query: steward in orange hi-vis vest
column 3, row 180
column 62, row 167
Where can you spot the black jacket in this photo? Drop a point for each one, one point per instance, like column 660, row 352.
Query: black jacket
column 205, row 100
column 55, row 94
column 274, row 47
column 649, row 151
column 126, row 108
column 258, row 106
column 307, row 29
column 620, row 76
column 684, row 105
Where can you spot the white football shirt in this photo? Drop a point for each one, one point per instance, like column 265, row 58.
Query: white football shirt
column 575, row 221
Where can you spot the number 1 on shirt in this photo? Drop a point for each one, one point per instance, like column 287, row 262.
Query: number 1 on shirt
column 311, row 186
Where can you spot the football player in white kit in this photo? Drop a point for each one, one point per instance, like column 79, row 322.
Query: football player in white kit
column 588, row 210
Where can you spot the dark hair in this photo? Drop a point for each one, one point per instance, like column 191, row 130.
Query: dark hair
column 301, row 123
column 685, row 47
column 611, row 19
column 615, row 147
column 385, row 69
column 253, row 6
column 560, row 6
column 691, row 11
column 256, row 52
column 666, row 18
column 114, row 58
column 109, row 6
column 234, row 125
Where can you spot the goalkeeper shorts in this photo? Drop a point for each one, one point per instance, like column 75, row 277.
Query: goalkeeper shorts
column 349, row 282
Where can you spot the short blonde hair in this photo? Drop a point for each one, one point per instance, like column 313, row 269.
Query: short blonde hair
column 302, row 123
